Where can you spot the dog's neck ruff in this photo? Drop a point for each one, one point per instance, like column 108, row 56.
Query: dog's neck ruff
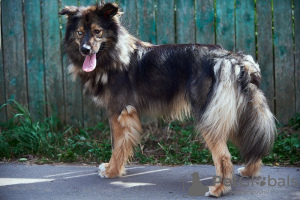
column 125, row 46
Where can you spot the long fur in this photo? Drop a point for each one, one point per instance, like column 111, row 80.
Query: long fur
column 219, row 88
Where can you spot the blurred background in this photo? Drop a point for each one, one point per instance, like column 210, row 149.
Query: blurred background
column 33, row 65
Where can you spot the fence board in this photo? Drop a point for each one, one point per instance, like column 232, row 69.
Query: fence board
column 165, row 24
column 265, row 48
column 106, row 1
column 129, row 18
column 146, row 28
column 284, row 60
column 205, row 27
column 2, row 82
column 13, row 53
column 146, row 21
column 245, row 30
column 52, row 59
column 185, row 21
column 225, row 33
column 91, row 113
column 30, row 47
column 87, row 2
column 73, row 90
column 34, row 59
column 297, row 52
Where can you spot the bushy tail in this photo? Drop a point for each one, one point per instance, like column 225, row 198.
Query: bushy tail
column 237, row 108
column 256, row 127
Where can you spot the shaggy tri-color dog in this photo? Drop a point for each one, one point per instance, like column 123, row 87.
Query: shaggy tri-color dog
column 219, row 88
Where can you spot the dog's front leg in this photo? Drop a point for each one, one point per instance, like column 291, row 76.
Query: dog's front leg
column 125, row 130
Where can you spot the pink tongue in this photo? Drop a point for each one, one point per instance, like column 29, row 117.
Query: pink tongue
column 89, row 63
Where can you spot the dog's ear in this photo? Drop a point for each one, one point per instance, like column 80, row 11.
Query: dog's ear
column 69, row 11
column 109, row 10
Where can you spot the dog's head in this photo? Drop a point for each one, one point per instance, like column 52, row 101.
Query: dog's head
column 90, row 31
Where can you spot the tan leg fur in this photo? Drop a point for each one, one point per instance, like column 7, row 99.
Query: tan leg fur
column 126, row 130
column 223, row 165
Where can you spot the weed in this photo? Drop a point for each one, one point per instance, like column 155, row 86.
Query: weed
column 49, row 138
column 181, row 145
column 170, row 144
column 287, row 144
column 295, row 122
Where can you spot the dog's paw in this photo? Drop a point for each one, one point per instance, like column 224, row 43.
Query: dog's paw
column 217, row 191
column 210, row 192
column 102, row 170
column 106, row 171
column 240, row 172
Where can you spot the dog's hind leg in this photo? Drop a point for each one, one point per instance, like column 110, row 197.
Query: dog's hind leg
column 223, row 165
column 126, row 130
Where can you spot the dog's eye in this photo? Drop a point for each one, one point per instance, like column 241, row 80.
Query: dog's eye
column 79, row 33
column 96, row 31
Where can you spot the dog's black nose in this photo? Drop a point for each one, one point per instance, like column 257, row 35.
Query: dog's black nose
column 85, row 50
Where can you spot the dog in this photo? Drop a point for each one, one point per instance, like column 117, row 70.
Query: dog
column 126, row 76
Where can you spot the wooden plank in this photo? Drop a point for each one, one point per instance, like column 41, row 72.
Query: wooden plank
column 185, row 21
column 284, row 60
column 14, row 53
column 106, row 1
column 52, row 59
column 91, row 113
column 265, row 48
column 87, row 2
column 34, row 59
column 73, row 90
column 146, row 21
column 297, row 51
column 129, row 18
column 245, row 29
column 165, row 24
column 2, row 82
column 225, row 33
column 205, row 25
column 146, row 29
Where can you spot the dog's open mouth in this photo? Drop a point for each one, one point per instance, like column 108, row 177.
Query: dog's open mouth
column 90, row 61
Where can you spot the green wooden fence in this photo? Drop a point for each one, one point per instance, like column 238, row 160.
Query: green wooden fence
column 33, row 67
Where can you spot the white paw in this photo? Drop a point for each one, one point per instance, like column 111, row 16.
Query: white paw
column 102, row 173
column 239, row 171
column 209, row 193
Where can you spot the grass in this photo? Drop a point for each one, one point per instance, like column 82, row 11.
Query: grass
column 21, row 137
column 173, row 143
column 181, row 145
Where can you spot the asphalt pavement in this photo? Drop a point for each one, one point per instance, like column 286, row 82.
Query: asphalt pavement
column 27, row 181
